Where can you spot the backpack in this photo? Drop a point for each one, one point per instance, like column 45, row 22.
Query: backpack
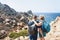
column 45, row 27
column 31, row 27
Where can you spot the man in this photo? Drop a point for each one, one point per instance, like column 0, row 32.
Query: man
column 32, row 29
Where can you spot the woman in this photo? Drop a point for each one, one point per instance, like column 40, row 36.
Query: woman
column 39, row 26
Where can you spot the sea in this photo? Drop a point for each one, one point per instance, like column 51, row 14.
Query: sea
column 48, row 16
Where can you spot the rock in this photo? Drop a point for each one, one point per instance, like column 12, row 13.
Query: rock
column 26, row 38
column 54, row 33
column 3, row 34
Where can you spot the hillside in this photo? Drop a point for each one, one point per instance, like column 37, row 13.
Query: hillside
column 10, row 19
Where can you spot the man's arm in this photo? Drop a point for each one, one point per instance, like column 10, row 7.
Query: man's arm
column 38, row 24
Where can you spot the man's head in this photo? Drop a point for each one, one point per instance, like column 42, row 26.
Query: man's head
column 35, row 17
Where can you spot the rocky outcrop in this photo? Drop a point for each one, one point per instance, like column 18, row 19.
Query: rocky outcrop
column 54, row 34
column 3, row 34
column 5, row 9
column 9, row 18
column 23, row 16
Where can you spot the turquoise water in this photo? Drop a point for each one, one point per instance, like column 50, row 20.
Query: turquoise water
column 48, row 16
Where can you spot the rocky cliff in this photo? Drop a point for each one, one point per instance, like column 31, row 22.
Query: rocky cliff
column 54, row 34
column 6, row 12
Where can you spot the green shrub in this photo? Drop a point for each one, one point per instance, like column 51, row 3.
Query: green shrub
column 13, row 35
column 21, row 33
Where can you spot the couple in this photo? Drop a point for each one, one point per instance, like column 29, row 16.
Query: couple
column 35, row 27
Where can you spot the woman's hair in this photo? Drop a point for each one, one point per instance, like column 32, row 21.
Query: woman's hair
column 41, row 17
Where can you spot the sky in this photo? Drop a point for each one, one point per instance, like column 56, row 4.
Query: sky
column 34, row 5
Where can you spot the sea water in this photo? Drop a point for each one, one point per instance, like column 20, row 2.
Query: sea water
column 48, row 16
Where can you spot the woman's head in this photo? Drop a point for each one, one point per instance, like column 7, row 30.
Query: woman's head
column 41, row 17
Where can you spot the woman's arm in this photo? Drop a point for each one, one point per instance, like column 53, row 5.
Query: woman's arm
column 38, row 24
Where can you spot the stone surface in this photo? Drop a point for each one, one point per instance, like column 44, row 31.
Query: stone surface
column 54, row 34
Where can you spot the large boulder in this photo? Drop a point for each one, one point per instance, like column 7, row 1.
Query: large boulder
column 3, row 34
